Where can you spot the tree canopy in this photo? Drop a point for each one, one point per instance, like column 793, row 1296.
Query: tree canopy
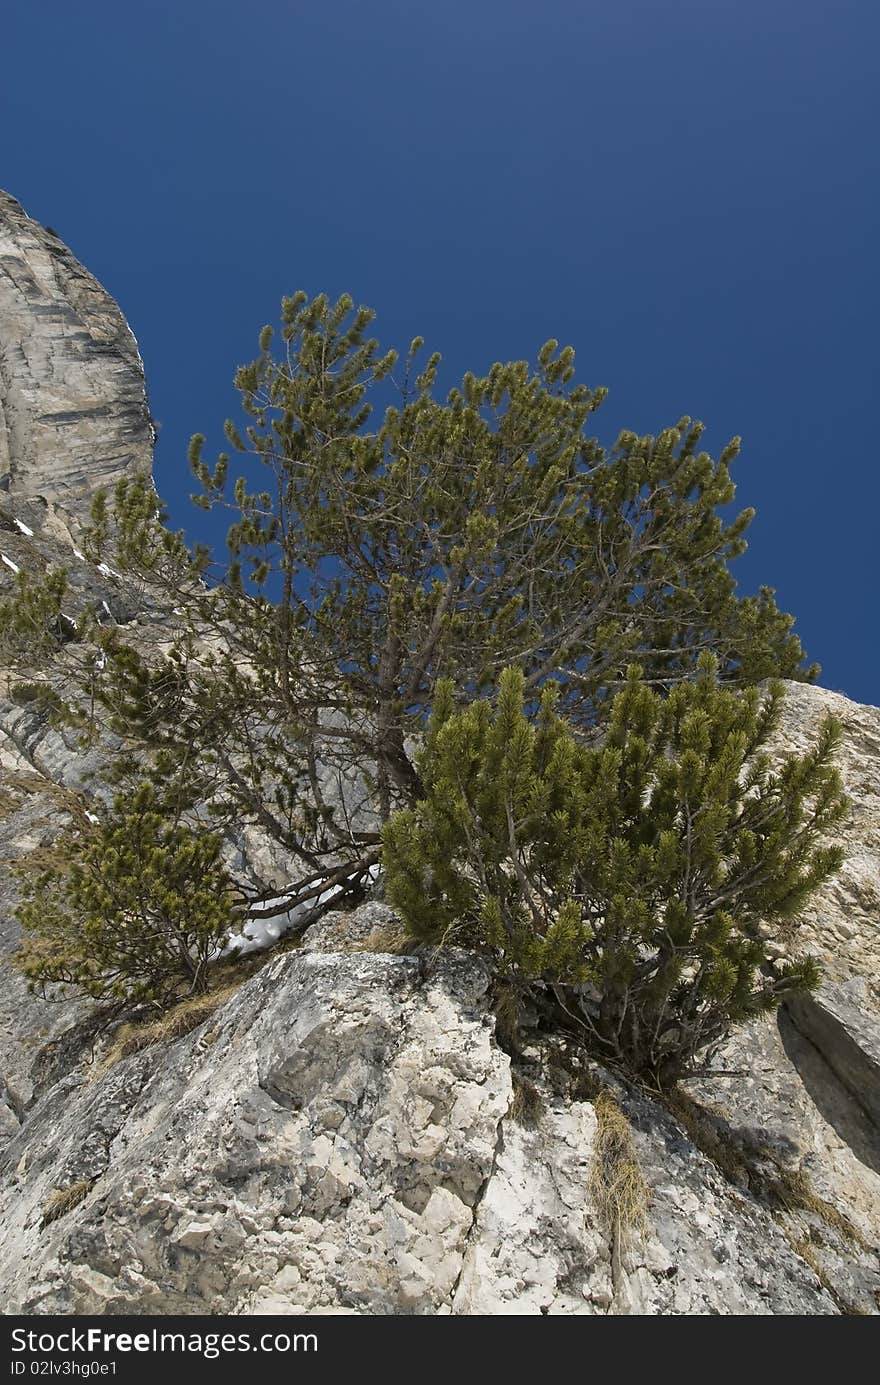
column 644, row 874
column 367, row 559
column 390, row 552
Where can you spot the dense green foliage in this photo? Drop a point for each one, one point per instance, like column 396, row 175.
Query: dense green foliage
column 32, row 619
column 642, row 874
column 376, row 569
column 133, row 909
column 366, row 561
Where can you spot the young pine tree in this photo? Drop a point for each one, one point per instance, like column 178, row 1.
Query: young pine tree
column 639, row 879
column 132, row 911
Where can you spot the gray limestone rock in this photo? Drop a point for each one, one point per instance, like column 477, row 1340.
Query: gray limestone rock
column 73, row 409
column 338, row 1137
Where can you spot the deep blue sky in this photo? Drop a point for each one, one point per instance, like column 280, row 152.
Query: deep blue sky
column 686, row 192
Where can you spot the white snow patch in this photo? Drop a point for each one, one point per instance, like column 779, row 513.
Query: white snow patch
column 23, row 527
column 107, row 609
column 91, row 817
column 13, row 567
column 107, row 571
column 77, row 554
column 258, row 934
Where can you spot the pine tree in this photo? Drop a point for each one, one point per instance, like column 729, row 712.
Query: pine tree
column 637, row 880
column 131, row 910
column 368, row 559
column 33, row 624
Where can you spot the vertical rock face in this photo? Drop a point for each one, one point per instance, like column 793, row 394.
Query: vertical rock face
column 73, row 418
column 73, row 409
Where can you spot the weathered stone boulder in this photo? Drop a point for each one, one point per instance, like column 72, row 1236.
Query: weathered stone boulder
column 339, row 1137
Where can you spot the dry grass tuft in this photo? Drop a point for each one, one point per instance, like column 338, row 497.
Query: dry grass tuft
column 188, row 1012
column 795, row 1193
column 527, row 1105
column 804, row 1248
column 391, row 938
column 63, row 1200
column 177, row 1022
column 617, row 1183
column 24, row 783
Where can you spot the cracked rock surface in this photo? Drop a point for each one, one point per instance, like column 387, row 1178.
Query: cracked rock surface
column 338, row 1138
column 73, row 411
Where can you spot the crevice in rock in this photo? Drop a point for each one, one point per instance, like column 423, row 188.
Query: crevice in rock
column 107, row 1134
column 14, row 1102
column 478, row 1200
column 842, row 1080
column 25, row 740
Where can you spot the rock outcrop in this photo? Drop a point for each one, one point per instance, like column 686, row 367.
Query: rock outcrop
column 339, row 1129
column 73, row 409
column 73, row 418
column 339, row 1138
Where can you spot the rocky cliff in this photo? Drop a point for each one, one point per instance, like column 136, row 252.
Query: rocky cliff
column 73, row 410
column 337, row 1128
column 73, row 418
